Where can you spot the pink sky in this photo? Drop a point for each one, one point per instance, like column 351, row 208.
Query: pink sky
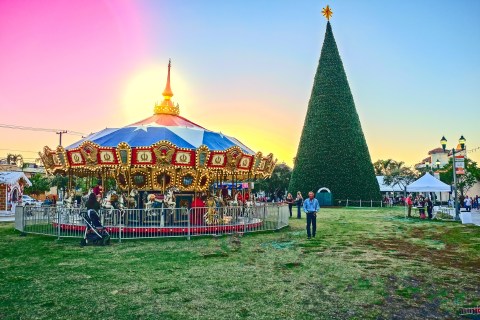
column 62, row 62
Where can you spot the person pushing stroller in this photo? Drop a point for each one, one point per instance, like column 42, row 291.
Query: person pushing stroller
column 95, row 233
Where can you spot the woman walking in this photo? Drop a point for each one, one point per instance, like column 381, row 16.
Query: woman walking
column 299, row 201
column 290, row 201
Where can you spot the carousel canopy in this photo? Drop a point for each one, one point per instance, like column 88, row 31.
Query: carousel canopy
column 175, row 129
column 161, row 151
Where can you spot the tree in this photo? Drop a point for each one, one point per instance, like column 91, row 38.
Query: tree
column 40, row 184
column 277, row 184
column 332, row 151
column 15, row 159
column 385, row 167
column 464, row 181
column 59, row 181
column 401, row 176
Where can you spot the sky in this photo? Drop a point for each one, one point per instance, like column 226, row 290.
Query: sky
column 244, row 68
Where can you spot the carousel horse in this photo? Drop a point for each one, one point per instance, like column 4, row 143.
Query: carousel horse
column 129, row 201
column 234, row 202
column 68, row 200
column 169, row 199
column 107, row 201
column 112, row 207
column 152, row 204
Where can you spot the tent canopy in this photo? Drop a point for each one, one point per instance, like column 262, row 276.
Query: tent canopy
column 428, row 183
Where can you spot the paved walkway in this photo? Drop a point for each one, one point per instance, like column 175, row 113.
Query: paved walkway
column 476, row 217
column 6, row 216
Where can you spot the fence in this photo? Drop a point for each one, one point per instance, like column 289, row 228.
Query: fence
column 360, row 203
column 153, row 223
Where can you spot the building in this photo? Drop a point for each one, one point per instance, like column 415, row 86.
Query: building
column 443, row 158
column 11, row 188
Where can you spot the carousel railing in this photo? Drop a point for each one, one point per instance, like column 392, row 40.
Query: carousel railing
column 155, row 222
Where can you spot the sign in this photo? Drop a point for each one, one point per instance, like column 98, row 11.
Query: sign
column 76, row 158
column 460, row 164
column 142, row 156
column 238, row 186
column 217, row 160
column 184, row 158
column 107, row 156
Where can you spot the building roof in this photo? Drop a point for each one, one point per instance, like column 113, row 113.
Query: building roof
column 436, row 150
column 12, row 177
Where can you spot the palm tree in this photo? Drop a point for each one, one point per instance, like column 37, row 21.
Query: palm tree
column 16, row 159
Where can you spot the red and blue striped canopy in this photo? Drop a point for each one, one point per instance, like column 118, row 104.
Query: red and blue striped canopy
column 173, row 128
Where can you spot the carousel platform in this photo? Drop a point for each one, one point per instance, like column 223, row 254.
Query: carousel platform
column 240, row 225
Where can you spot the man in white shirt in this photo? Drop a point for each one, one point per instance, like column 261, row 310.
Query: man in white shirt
column 468, row 203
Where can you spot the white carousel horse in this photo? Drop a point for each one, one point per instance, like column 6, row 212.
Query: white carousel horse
column 234, row 201
column 169, row 199
column 68, row 200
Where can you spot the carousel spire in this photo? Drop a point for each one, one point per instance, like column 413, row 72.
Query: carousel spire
column 167, row 106
column 167, row 93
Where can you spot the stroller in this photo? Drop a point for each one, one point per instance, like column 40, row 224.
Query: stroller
column 95, row 233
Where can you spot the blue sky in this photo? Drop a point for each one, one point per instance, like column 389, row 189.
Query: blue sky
column 246, row 68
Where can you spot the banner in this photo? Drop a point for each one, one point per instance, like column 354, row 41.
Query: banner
column 460, row 164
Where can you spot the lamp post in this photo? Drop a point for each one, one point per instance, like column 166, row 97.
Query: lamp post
column 461, row 141
column 427, row 166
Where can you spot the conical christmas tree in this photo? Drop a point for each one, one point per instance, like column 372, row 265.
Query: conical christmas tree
column 333, row 152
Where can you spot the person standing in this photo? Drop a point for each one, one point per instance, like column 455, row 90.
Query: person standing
column 290, row 201
column 299, row 201
column 409, row 204
column 429, row 205
column 421, row 207
column 92, row 202
column 311, row 207
column 468, row 203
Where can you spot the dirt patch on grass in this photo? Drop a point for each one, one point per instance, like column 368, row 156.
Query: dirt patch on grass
column 403, row 249
column 405, row 300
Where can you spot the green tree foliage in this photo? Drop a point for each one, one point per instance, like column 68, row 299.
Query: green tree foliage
column 40, row 184
column 464, row 181
column 385, row 167
column 15, row 159
column 277, row 184
column 401, row 176
column 332, row 151
column 59, row 181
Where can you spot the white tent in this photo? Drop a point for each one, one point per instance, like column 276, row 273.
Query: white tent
column 428, row 183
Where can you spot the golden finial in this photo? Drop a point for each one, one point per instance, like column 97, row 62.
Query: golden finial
column 167, row 106
column 327, row 12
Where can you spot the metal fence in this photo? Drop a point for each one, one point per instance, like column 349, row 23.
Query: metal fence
column 360, row 203
column 153, row 223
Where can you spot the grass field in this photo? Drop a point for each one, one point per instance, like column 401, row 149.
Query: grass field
column 363, row 264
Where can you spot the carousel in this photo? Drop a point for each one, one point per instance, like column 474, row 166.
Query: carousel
column 164, row 162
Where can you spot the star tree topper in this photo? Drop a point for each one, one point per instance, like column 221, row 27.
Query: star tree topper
column 327, row 12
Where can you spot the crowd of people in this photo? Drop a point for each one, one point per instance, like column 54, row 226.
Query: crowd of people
column 469, row 203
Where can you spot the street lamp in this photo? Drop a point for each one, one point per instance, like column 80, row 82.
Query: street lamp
column 461, row 141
